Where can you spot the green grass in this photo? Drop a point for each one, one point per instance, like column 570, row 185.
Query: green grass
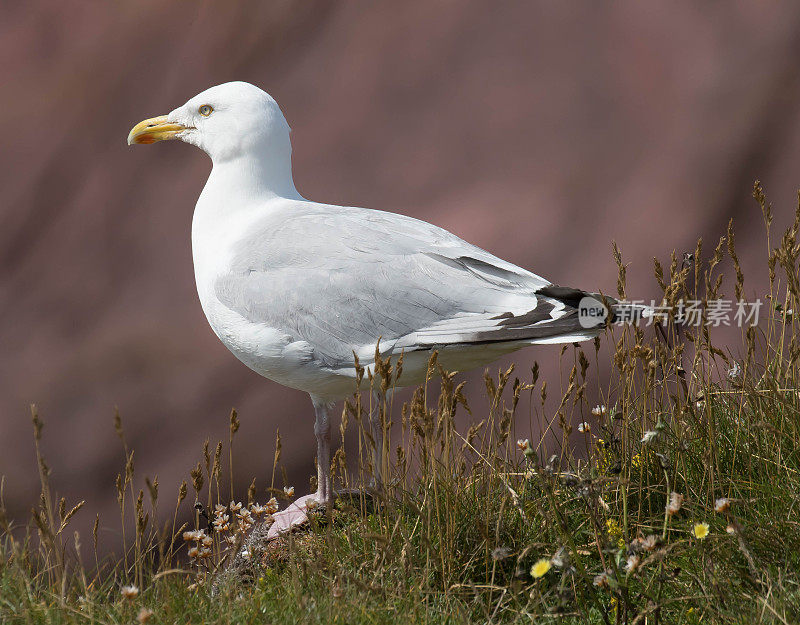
column 465, row 515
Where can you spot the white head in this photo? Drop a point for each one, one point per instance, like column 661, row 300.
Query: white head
column 229, row 121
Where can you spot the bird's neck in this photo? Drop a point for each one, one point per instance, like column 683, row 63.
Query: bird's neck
column 241, row 181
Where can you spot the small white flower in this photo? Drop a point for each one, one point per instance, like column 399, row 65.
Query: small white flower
column 584, row 427
column 219, row 509
column 649, row 436
column 288, row 491
column 722, row 505
column 272, row 506
column 735, row 372
column 194, row 552
column 222, row 519
column 130, row 592
column 599, row 411
column 245, row 554
column 257, row 510
column 207, row 541
column 193, row 535
column 235, row 507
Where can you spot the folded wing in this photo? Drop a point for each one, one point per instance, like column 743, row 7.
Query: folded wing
column 342, row 278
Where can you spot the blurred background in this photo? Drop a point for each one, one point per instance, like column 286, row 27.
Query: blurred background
column 539, row 131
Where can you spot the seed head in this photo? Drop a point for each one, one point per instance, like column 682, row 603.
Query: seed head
column 632, row 563
column 649, row 436
column 675, row 503
column 651, row 542
column 601, row 580
column 735, row 372
column 560, row 559
column 500, row 553
column 722, row 505
column 130, row 592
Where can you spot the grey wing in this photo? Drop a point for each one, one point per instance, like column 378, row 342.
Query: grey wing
column 343, row 279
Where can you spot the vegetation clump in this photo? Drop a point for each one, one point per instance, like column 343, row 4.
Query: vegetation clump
column 675, row 500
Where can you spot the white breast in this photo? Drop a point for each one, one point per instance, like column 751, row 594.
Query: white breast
column 269, row 351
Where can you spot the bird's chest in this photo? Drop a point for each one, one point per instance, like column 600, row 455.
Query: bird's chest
column 268, row 350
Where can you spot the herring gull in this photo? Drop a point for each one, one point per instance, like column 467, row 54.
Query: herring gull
column 295, row 288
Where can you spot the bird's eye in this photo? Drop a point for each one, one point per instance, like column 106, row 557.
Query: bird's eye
column 205, row 110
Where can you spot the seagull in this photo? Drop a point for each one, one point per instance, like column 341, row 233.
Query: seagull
column 299, row 290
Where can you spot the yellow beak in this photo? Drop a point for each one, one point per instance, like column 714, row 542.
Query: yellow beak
column 154, row 129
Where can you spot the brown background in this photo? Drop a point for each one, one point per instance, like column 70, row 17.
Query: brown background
column 539, row 131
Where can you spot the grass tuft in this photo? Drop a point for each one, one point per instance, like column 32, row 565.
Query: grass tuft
column 675, row 500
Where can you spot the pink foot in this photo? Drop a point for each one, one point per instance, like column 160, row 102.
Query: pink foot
column 295, row 514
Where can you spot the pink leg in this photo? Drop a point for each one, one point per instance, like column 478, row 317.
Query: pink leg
column 296, row 513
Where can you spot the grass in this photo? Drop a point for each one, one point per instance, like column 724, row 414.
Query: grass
column 677, row 501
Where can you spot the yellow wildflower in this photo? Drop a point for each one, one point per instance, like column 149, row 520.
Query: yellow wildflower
column 700, row 530
column 540, row 568
column 604, row 455
column 614, row 532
